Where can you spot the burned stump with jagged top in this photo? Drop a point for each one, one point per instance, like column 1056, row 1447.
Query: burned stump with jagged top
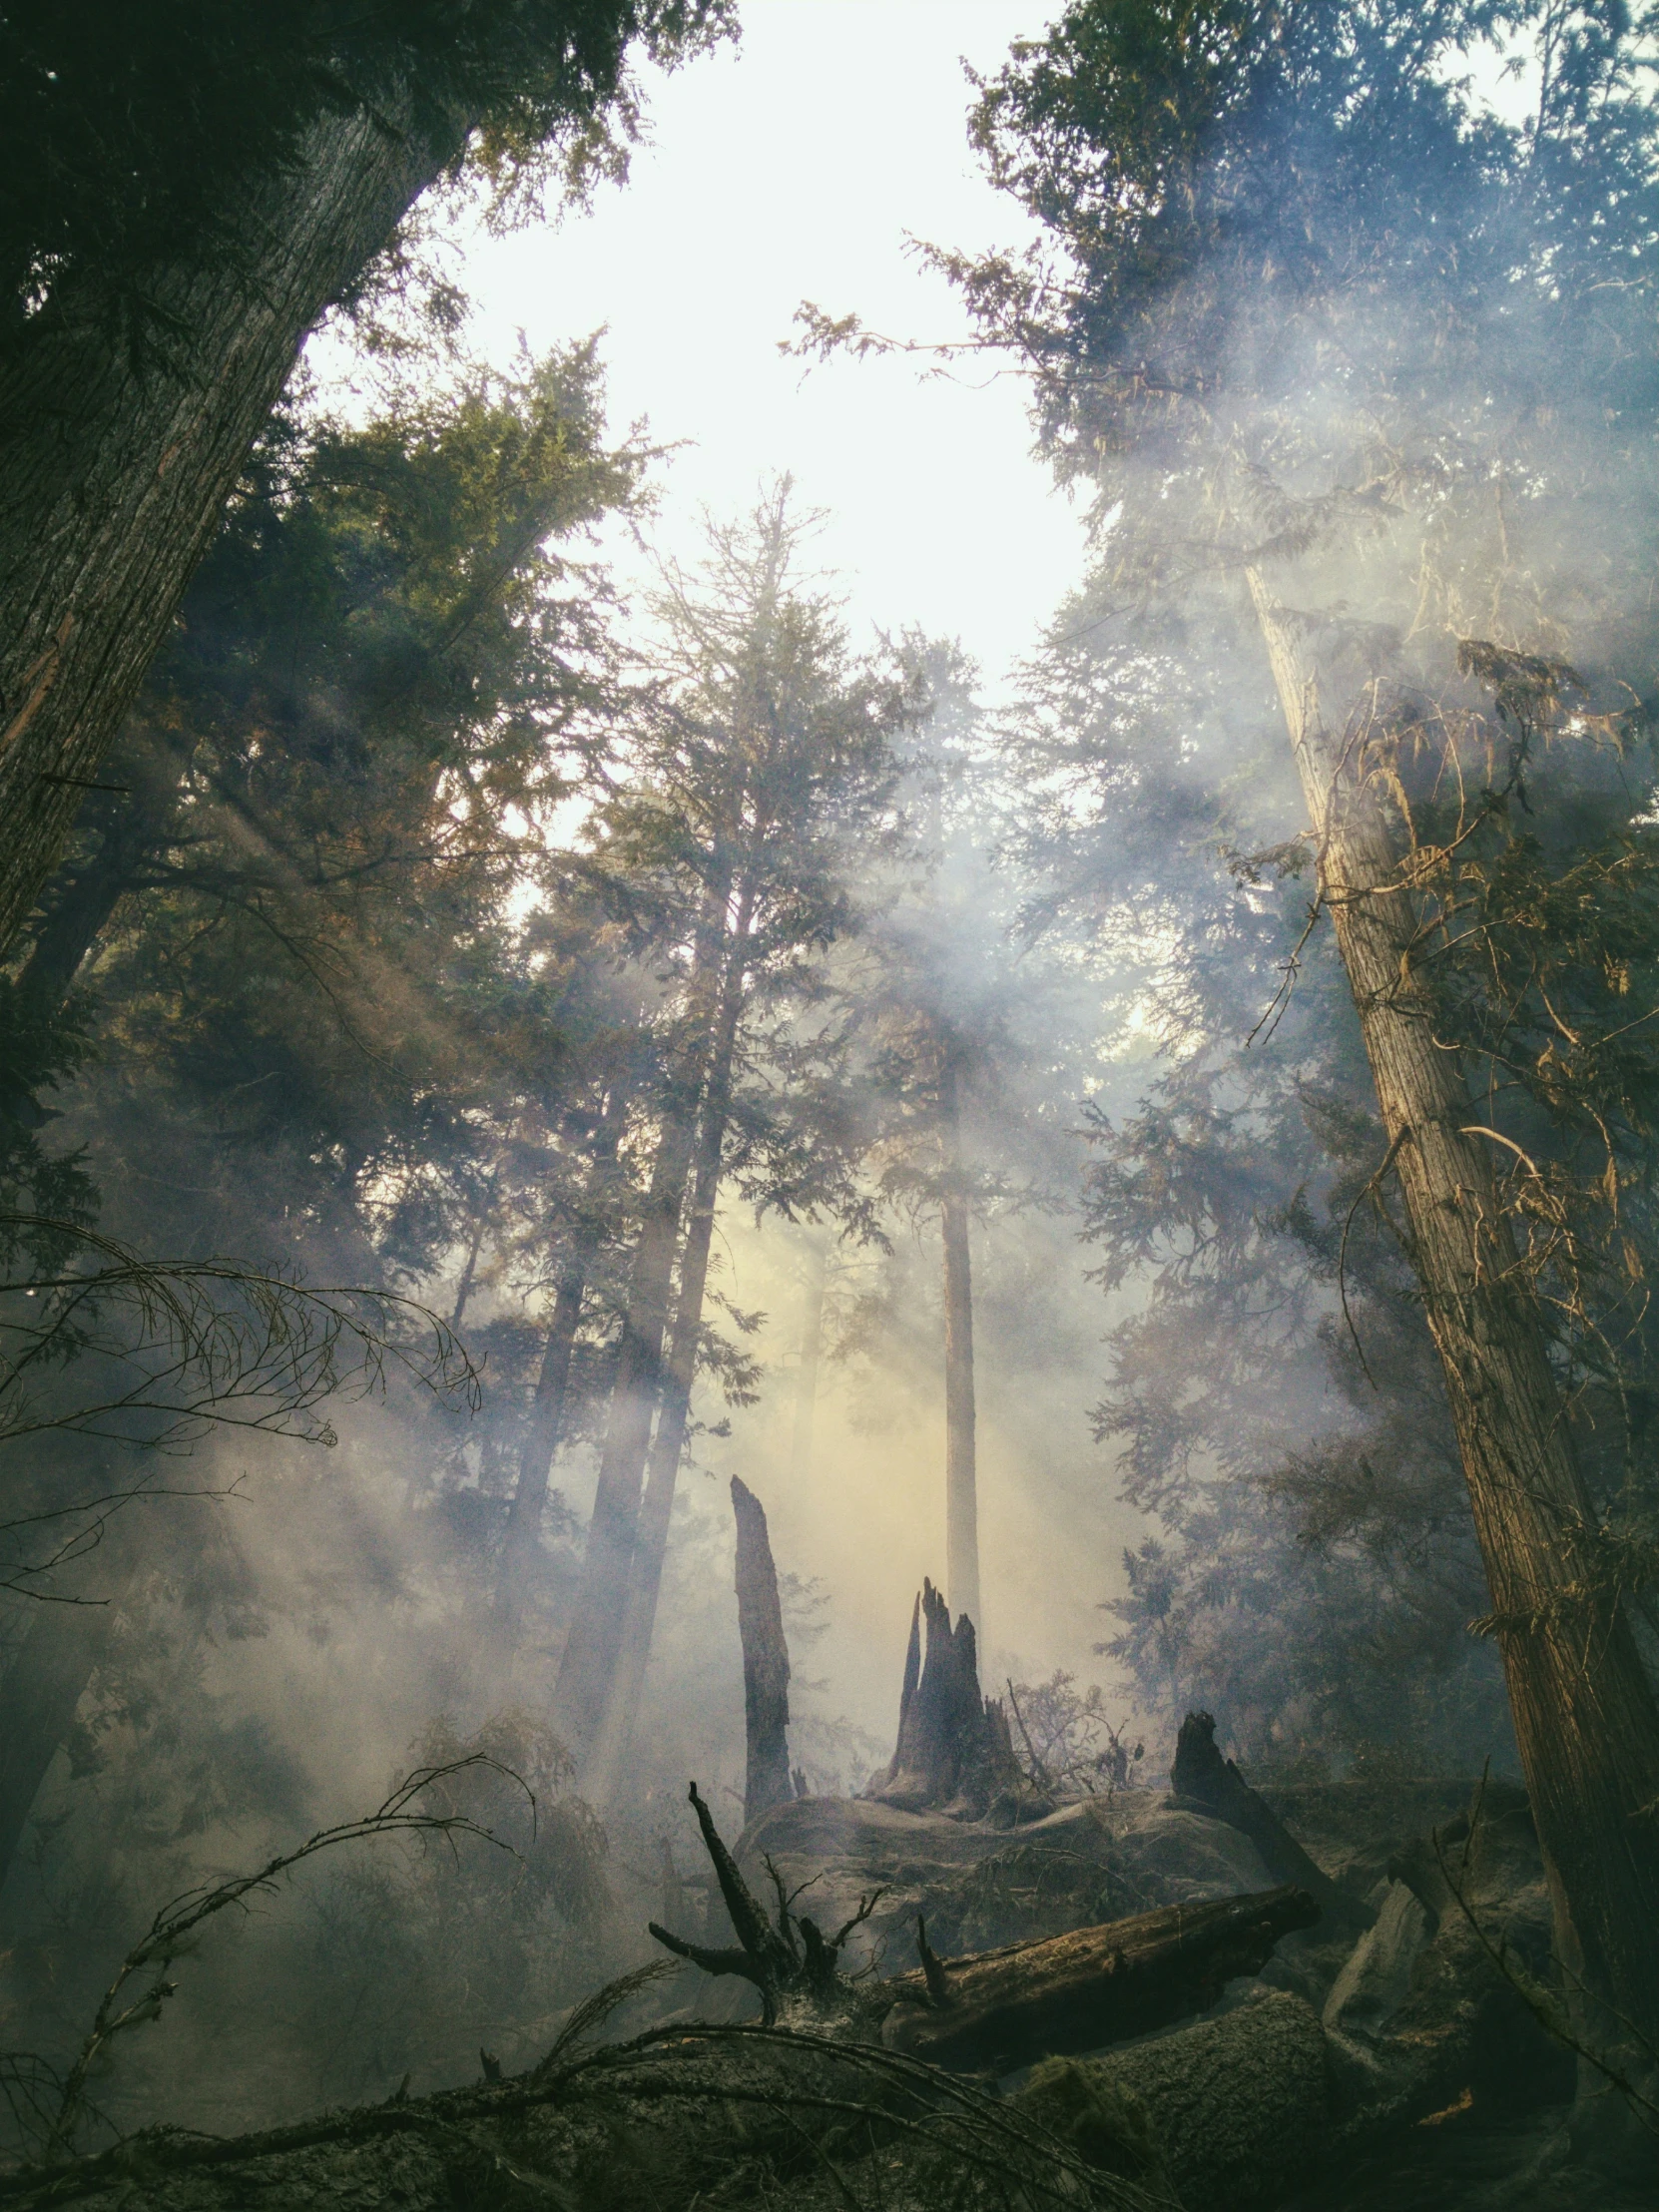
column 954, row 1753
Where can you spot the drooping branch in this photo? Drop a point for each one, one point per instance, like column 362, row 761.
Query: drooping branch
column 176, row 1923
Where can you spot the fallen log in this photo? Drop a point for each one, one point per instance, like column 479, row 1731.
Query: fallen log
column 1098, row 1986
column 996, row 2009
column 1211, row 1784
column 1239, row 2107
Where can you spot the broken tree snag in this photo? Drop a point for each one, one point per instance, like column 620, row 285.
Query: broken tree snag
column 766, row 1661
column 954, row 1753
column 1214, row 1786
column 794, row 1964
column 1097, row 1985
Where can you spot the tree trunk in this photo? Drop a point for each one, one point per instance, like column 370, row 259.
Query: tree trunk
column 1220, row 1790
column 547, row 1408
column 588, row 1666
column 953, row 1752
column 1584, row 1712
column 961, row 1496
column 766, row 1662
column 679, row 1375
column 115, row 466
column 1002, row 2008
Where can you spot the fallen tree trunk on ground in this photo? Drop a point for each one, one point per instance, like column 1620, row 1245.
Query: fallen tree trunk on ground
column 1239, row 2107
column 1003, row 2009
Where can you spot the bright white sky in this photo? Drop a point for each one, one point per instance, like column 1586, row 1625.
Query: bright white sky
column 793, row 167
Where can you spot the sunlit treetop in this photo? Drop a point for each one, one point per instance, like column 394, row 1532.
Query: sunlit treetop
column 1304, row 234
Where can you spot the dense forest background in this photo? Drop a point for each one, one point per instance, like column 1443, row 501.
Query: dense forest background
column 505, row 1038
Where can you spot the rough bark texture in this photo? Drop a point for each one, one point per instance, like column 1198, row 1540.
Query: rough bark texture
column 1239, row 2105
column 1098, row 1986
column 114, row 471
column 766, row 1661
column 954, row 1753
column 1586, row 1716
column 1214, row 1786
column 962, row 1479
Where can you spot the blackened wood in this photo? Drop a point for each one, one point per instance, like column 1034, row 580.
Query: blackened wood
column 952, row 1750
column 1097, row 1985
column 1201, row 1775
column 766, row 1660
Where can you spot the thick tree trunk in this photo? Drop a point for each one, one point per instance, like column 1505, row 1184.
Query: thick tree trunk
column 1002, row 2008
column 766, row 1661
column 1586, row 1716
column 114, row 469
column 662, row 1473
column 953, row 1752
column 962, row 1493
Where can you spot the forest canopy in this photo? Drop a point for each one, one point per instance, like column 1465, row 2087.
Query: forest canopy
column 512, row 1015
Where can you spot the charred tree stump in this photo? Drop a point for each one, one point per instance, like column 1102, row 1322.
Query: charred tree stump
column 953, row 1752
column 1003, row 2009
column 1214, row 1786
column 766, row 1661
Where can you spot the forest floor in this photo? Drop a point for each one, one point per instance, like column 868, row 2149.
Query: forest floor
column 1466, row 2165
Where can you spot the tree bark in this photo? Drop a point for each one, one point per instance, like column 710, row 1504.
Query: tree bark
column 766, row 1661
column 587, row 1666
column 961, row 1495
column 1002, row 2008
column 1586, row 1716
column 954, row 1753
column 115, row 466
column 1218, row 1789
column 679, row 1375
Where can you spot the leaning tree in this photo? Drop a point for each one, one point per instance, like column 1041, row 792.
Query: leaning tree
column 187, row 192
column 1362, row 374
